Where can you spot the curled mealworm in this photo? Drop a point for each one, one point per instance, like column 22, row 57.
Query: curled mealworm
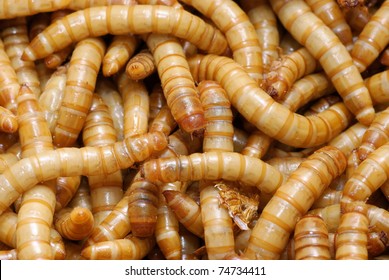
column 29, row 7
column 141, row 65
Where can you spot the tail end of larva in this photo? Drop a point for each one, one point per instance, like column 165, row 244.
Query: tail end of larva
column 366, row 115
column 28, row 54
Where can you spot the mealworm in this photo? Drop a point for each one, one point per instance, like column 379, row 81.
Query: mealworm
column 373, row 38
column 186, row 210
column 6, row 160
column 142, row 206
column 163, row 121
column 66, row 188
column 51, row 97
column 384, row 57
column 257, row 144
column 141, row 65
column 177, row 83
column 377, row 242
column 279, row 152
column 74, row 223
column 54, row 60
column 106, row 189
column 9, row 84
column 330, row 215
column 129, row 248
column 286, row 165
column 219, row 130
column 308, row 88
column 228, row 166
column 8, row 121
column 109, row 93
column 331, row 14
column 265, row 23
column 377, row 85
column 218, row 227
column 376, row 135
column 15, row 38
column 119, row 51
column 35, row 215
column 81, row 198
column 241, row 240
column 311, row 239
column 135, row 105
column 296, row 196
column 29, row 7
column 333, row 56
column 8, row 222
column 80, row 84
column 288, row 69
column 85, row 161
column 112, row 20
column 259, row 108
column 115, row 226
column 239, row 32
column 328, row 197
column 351, row 235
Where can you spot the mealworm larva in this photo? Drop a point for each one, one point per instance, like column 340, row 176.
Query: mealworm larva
column 85, row 161
column 331, row 14
column 142, row 206
column 186, row 210
column 8, row 121
column 129, row 248
column 378, row 217
column 384, row 58
column 156, row 101
column 177, row 82
column 36, row 212
column 6, row 160
column 291, row 201
column 54, row 60
column 66, row 188
column 29, row 7
column 373, row 38
column 219, row 130
column 106, row 189
column 135, row 105
column 257, row 144
column 328, row 197
column 260, row 109
column 83, row 4
column 163, row 121
column 239, row 31
column 109, row 93
column 51, row 97
column 351, row 235
column 279, row 152
column 228, row 166
column 80, row 84
column 288, row 69
column 311, row 239
column 241, row 240
column 8, row 222
column 376, row 135
column 74, row 223
column 308, row 88
column 141, row 65
column 115, row 20
column 218, row 227
column 119, row 51
column 330, row 215
column 9, row 84
column 265, row 23
column 115, row 226
column 322, row 104
column 82, row 196
column 15, row 38
column 57, row 245
column 377, row 86
column 333, row 56
column 377, row 242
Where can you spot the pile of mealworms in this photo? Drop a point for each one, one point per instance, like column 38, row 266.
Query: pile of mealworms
column 191, row 129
